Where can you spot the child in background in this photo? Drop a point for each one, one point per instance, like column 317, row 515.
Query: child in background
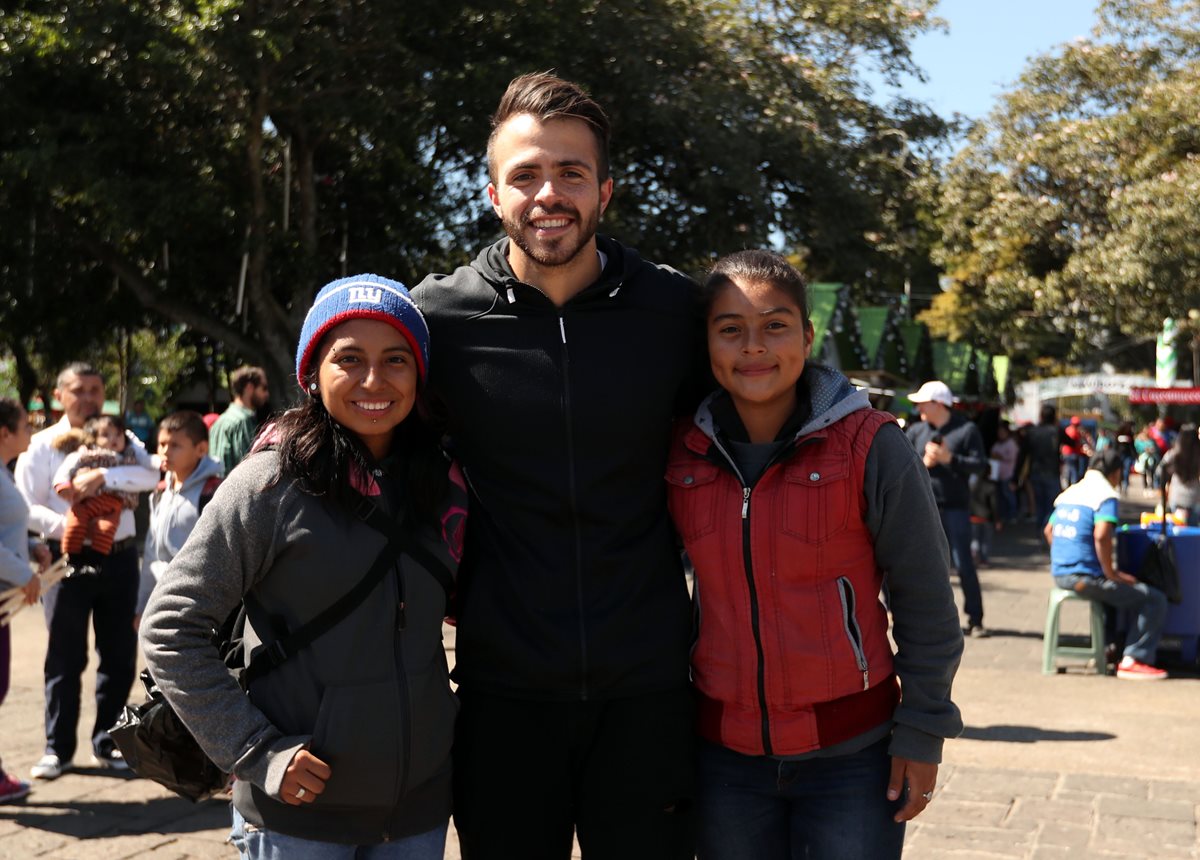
column 985, row 513
column 102, row 443
column 192, row 478
column 1006, row 452
column 1147, row 458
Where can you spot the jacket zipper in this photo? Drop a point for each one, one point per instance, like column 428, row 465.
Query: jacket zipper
column 748, row 564
column 572, row 496
column 755, row 628
column 402, row 693
column 401, row 614
column 853, row 631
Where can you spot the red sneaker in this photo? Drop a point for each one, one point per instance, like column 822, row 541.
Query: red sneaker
column 1132, row 670
column 12, row 789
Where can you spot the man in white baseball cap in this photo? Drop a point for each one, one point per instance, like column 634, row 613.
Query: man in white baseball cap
column 952, row 450
column 933, row 391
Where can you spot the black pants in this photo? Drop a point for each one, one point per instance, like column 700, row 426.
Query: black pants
column 621, row 773
column 109, row 598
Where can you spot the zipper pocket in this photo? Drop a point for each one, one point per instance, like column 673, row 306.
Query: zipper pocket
column 853, row 631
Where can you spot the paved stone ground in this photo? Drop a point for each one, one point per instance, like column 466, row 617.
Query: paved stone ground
column 1074, row 765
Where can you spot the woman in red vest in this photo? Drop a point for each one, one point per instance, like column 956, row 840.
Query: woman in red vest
column 799, row 504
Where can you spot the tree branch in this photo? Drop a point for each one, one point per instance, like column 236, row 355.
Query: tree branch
column 168, row 304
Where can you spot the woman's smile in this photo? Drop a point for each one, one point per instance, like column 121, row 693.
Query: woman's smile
column 367, row 380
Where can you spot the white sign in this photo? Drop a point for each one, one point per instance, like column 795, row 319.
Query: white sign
column 1031, row 395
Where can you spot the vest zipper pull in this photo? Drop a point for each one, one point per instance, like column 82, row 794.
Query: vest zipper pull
column 745, row 502
column 403, row 618
column 866, row 680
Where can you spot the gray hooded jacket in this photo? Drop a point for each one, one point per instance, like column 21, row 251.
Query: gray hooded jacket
column 173, row 515
column 370, row 697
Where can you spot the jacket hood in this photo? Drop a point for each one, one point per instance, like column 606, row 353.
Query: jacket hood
column 492, row 265
column 205, row 469
column 830, row 394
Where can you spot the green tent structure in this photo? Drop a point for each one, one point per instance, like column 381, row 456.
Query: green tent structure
column 871, row 323
column 837, row 340
column 884, row 372
column 882, row 340
column 889, row 355
column 954, row 364
column 985, row 375
column 918, row 348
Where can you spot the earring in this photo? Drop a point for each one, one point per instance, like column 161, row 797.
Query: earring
column 312, row 388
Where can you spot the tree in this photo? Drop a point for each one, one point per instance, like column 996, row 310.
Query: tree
column 223, row 158
column 1069, row 225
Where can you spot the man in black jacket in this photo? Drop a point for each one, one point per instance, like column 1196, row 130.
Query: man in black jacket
column 563, row 357
column 952, row 449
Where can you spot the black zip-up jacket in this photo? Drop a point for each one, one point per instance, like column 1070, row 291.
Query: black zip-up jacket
column 570, row 585
column 951, row 483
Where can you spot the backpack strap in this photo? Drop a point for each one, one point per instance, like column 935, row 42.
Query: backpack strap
column 373, row 516
column 207, row 491
column 400, row 540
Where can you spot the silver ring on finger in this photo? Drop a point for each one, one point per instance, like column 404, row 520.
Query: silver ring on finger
column 301, row 791
column 928, row 795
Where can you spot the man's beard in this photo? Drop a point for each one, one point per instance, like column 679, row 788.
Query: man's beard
column 556, row 252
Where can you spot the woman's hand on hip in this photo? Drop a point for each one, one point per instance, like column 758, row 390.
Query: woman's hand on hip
column 915, row 780
column 304, row 779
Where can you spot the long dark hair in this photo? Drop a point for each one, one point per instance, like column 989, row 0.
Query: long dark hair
column 323, row 456
column 1187, row 455
column 11, row 414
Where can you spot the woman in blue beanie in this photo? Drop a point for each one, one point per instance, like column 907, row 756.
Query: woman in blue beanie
column 343, row 749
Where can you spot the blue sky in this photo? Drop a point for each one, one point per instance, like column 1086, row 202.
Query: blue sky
column 987, row 46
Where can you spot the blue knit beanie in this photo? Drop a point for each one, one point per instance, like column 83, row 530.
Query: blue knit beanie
column 369, row 297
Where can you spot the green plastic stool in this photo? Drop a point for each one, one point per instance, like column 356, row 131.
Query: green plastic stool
column 1051, row 650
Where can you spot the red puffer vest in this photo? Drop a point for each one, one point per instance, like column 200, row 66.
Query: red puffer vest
column 792, row 653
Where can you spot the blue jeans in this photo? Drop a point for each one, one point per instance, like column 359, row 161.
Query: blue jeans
column 1045, row 490
column 254, row 843
column 761, row 808
column 1006, row 500
column 1149, row 605
column 1076, row 465
column 981, row 541
column 957, row 525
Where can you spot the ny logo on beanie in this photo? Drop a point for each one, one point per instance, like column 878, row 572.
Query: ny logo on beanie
column 365, row 295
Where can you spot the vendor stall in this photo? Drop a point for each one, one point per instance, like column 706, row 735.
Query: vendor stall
column 1183, row 620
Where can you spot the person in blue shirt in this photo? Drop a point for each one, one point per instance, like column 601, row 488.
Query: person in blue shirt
column 1080, row 534
column 139, row 422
